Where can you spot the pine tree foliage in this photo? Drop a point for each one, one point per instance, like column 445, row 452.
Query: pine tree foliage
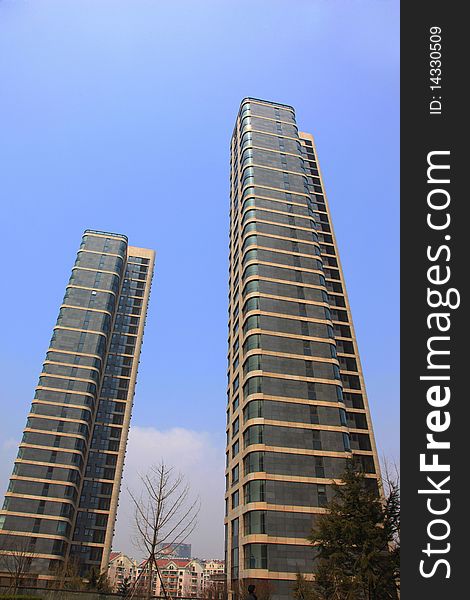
column 124, row 587
column 357, row 541
column 302, row 589
column 98, row 581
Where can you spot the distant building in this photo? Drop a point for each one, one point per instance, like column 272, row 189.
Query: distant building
column 181, row 578
column 176, row 551
column 215, row 582
column 213, row 567
column 121, row 568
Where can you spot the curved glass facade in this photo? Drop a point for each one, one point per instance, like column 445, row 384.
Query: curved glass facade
column 62, row 498
column 302, row 409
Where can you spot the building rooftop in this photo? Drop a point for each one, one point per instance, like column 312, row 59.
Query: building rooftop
column 98, row 232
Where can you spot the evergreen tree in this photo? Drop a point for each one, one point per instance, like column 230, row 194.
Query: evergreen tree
column 357, row 542
column 98, row 582
column 124, row 586
column 103, row 583
column 302, row 589
column 92, row 579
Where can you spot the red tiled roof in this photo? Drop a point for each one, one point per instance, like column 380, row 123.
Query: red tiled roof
column 114, row 555
column 165, row 562
column 178, row 562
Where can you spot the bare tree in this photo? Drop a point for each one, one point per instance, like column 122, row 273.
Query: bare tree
column 164, row 517
column 67, row 575
column 16, row 560
column 186, row 591
column 215, row 589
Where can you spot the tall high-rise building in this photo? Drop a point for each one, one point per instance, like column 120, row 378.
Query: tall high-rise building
column 60, row 506
column 297, row 405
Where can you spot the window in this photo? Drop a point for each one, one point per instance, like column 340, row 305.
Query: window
column 235, row 499
column 235, row 448
column 250, row 255
column 236, row 383
column 314, row 414
column 252, row 363
column 322, row 498
column 62, row 528
column 235, row 474
column 253, row 435
column 251, row 323
column 319, row 467
column 251, row 240
column 254, row 491
column 311, row 391
column 251, row 286
column 248, row 192
column 250, row 270
column 234, row 552
column 249, row 226
column 255, row 522
column 251, row 304
column 253, row 410
column 252, row 342
column 316, row 440
column 236, row 426
column 252, row 386
column 256, row 556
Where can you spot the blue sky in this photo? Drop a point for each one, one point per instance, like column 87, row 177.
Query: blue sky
column 117, row 115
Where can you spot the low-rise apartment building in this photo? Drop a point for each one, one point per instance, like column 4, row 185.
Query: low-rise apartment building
column 181, row 578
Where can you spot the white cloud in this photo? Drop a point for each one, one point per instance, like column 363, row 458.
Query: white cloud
column 198, row 457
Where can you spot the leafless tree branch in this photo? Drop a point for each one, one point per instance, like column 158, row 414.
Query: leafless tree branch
column 164, row 517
